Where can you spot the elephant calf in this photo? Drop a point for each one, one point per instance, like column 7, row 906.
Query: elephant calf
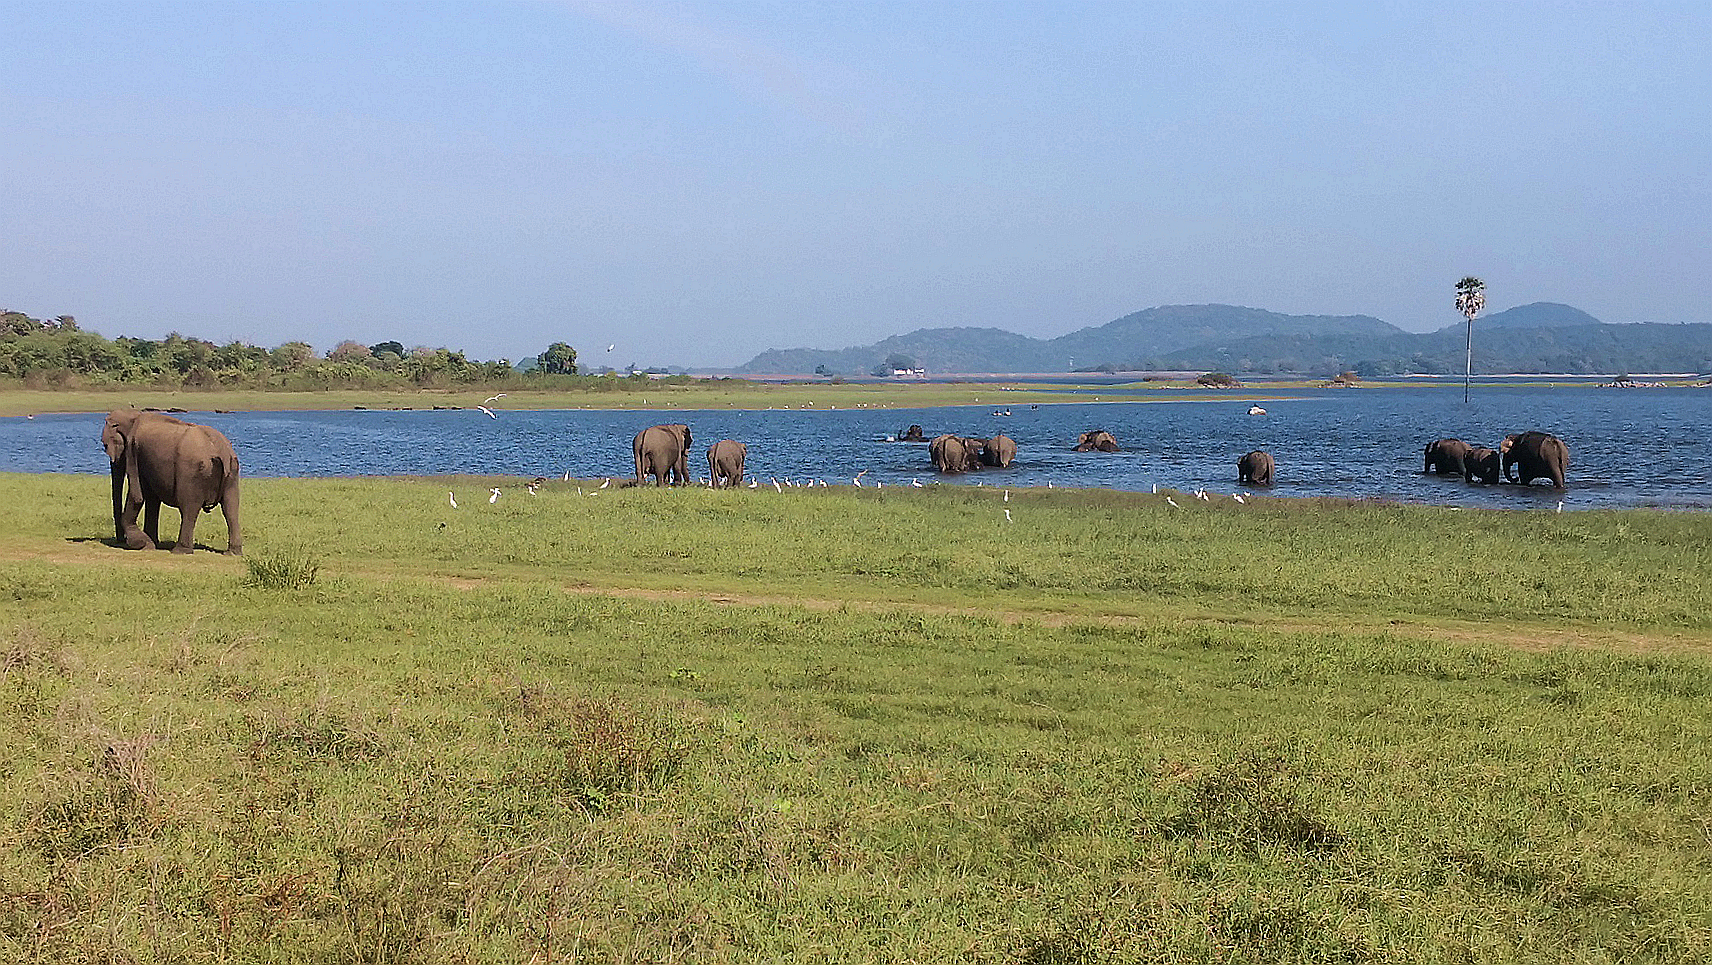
column 1480, row 465
column 725, row 463
column 1255, row 469
column 1096, row 440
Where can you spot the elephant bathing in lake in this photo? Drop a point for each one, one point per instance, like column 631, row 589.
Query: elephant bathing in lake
column 189, row 467
column 1539, row 455
column 664, row 453
column 1255, row 469
column 912, row 434
column 1097, row 439
column 999, row 451
column 1446, row 457
column 955, row 454
column 725, row 463
column 1480, row 465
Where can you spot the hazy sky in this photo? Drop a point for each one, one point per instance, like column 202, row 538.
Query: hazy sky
column 698, row 182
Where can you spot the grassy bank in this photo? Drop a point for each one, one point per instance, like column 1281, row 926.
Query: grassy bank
column 848, row 725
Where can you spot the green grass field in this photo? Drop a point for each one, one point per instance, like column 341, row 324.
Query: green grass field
column 852, row 726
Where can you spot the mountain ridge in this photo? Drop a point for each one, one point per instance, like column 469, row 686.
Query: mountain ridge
column 1536, row 337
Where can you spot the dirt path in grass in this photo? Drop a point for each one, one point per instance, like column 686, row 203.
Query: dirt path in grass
column 1046, row 613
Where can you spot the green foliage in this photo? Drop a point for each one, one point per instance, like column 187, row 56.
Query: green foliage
column 559, row 359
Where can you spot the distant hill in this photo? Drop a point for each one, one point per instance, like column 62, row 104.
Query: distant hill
column 1532, row 315
column 1539, row 337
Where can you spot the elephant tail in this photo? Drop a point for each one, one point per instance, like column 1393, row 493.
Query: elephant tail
column 218, row 470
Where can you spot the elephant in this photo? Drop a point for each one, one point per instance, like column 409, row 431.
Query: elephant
column 664, row 453
column 1539, row 455
column 1445, row 457
column 955, row 454
column 189, row 467
column 1480, row 465
column 725, row 463
column 1255, row 469
column 999, row 451
column 912, row 434
column 1098, row 439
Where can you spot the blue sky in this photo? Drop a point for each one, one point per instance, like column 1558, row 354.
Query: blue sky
column 698, row 182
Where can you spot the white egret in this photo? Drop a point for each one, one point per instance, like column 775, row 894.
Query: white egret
column 487, row 410
column 1256, row 410
column 606, row 482
column 452, row 499
column 493, row 498
column 1173, row 503
column 490, row 400
column 1008, row 517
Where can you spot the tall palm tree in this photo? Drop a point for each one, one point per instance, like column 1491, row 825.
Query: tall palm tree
column 1470, row 299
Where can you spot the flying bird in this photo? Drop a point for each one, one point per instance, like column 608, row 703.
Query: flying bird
column 487, row 410
column 490, row 400
column 453, row 499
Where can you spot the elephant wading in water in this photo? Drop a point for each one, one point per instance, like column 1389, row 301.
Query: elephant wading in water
column 1255, row 469
column 1539, row 455
column 912, row 434
column 1446, row 457
column 955, row 454
column 1480, row 465
column 1097, row 439
column 189, row 467
column 664, row 453
column 999, row 451
column 725, row 463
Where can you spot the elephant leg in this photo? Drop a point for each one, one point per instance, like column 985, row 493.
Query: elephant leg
column 151, row 520
column 187, row 529
column 134, row 538
column 119, row 501
column 229, row 509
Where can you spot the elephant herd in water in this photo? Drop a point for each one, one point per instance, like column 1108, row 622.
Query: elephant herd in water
column 1521, row 457
column 193, row 468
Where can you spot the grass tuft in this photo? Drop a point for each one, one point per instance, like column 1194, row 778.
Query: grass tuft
column 281, row 571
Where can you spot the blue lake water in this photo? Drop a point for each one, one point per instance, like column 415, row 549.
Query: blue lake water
column 1628, row 447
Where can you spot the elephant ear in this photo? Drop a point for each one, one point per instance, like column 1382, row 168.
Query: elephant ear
column 113, row 440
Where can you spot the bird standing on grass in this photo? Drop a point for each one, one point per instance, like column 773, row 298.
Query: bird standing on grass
column 1008, row 517
column 453, row 499
column 1173, row 502
column 493, row 498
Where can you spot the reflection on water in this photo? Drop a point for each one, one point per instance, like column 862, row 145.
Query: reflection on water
column 1627, row 447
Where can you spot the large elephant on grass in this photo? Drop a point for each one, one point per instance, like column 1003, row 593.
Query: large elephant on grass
column 1255, row 469
column 725, row 463
column 1445, row 457
column 160, row 459
column 1096, row 439
column 1480, row 465
column 955, row 454
column 999, row 451
column 1539, row 455
column 664, row 453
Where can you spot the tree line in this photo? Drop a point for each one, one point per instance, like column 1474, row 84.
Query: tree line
column 57, row 353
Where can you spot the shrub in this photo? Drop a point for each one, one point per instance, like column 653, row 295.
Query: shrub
column 281, row 571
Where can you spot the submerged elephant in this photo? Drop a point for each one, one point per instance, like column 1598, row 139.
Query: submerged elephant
column 955, row 454
column 1096, row 439
column 1445, row 457
column 999, row 451
column 1539, row 455
column 725, row 463
column 189, row 467
column 664, row 453
column 912, row 434
column 1480, row 465
column 1255, row 469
